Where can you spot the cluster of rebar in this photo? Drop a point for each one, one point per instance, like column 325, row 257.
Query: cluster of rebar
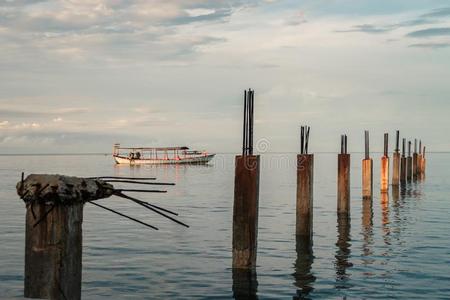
column 247, row 145
column 48, row 194
column 304, row 139
column 397, row 141
column 343, row 144
column 366, row 144
column 386, row 143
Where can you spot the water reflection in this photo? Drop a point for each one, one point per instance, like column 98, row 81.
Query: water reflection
column 245, row 284
column 343, row 252
column 385, row 217
column 303, row 276
column 367, row 233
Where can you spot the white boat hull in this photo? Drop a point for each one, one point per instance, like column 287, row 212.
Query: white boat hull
column 203, row 159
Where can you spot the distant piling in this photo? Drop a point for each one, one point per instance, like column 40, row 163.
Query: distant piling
column 246, row 194
column 403, row 163
column 409, row 164
column 384, row 170
column 396, row 161
column 423, row 164
column 419, row 161
column 305, row 180
column 343, row 182
column 367, row 170
column 415, row 170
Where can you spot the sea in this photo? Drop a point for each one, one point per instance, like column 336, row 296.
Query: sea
column 395, row 246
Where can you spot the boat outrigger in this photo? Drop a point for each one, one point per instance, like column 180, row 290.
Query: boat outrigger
column 154, row 156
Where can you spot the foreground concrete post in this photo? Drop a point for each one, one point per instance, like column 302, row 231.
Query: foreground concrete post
column 53, row 250
column 245, row 211
column 396, row 162
column 384, row 170
column 367, row 171
column 343, row 182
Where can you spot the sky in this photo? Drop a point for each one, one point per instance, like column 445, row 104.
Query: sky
column 77, row 76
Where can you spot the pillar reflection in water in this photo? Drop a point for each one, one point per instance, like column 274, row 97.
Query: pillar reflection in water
column 304, row 279
column 245, row 284
column 343, row 252
column 385, row 217
column 367, row 231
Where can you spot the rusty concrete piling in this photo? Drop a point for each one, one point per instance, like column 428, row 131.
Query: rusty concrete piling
column 367, row 170
column 415, row 170
column 384, row 170
column 403, row 163
column 305, row 180
column 423, row 164
column 343, row 181
column 246, row 195
column 396, row 161
column 419, row 161
column 409, row 164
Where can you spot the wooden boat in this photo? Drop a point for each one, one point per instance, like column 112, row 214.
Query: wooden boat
column 154, row 156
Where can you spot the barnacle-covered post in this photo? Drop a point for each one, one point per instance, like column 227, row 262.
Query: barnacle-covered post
column 53, row 235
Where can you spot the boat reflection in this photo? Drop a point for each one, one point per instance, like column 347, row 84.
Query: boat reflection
column 304, row 279
column 343, row 252
column 245, row 284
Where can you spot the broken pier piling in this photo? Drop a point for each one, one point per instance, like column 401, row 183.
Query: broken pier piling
column 53, row 230
column 409, row 164
column 403, row 164
column 367, row 170
column 246, row 195
column 384, row 170
column 415, row 168
column 343, row 182
column 305, row 181
column 396, row 161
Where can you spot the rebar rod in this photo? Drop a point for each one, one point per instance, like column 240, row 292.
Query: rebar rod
column 397, row 141
column 152, row 209
column 140, row 182
column 146, row 203
column 123, row 215
column 366, row 144
column 139, row 191
column 119, row 177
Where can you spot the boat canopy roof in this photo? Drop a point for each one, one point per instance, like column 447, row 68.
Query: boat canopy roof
column 154, row 148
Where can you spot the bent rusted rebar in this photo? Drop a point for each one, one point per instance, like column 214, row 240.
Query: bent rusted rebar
column 66, row 190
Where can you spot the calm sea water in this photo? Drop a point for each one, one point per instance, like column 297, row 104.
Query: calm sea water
column 397, row 247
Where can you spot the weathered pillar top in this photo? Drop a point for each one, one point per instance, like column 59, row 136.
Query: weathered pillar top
column 62, row 189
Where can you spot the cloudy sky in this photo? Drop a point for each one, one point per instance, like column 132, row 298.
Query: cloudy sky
column 79, row 75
